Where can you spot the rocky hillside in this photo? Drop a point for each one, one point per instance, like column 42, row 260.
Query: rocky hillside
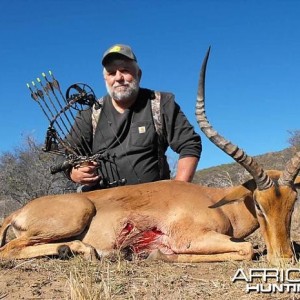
column 232, row 174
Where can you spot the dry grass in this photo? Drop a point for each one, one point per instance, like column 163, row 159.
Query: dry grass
column 78, row 279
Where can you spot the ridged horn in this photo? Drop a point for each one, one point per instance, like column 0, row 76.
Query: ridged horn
column 263, row 181
column 291, row 170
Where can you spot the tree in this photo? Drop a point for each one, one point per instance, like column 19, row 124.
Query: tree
column 294, row 139
column 25, row 173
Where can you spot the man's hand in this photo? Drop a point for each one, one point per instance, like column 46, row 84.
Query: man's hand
column 85, row 174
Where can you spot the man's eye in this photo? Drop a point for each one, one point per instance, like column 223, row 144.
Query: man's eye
column 124, row 71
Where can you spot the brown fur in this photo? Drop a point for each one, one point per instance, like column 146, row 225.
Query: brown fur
column 170, row 220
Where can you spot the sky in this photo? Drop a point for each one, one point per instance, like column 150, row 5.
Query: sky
column 253, row 73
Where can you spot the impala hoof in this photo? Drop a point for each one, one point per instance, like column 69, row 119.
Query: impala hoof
column 64, row 252
column 127, row 253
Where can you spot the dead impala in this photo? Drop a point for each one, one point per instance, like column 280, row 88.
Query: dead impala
column 169, row 220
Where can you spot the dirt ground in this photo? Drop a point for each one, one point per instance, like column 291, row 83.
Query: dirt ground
column 76, row 278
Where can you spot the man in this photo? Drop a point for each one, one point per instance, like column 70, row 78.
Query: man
column 125, row 132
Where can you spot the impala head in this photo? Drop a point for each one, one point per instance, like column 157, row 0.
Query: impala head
column 274, row 207
column 274, row 195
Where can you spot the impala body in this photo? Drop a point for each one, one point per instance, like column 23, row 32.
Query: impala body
column 171, row 216
column 170, row 220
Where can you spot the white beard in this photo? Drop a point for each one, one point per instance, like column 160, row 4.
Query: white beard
column 127, row 91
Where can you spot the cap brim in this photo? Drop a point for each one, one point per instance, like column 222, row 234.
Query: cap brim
column 115, row 55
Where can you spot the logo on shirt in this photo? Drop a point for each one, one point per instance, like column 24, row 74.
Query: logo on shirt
column 142, row 129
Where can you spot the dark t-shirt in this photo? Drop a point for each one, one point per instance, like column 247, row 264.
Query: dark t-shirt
column 129, row 141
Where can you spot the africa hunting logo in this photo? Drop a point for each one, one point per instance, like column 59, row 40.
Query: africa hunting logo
column 269, row 280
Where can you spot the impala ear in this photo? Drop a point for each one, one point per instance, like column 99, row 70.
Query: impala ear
column 238, row 194
column 250, row 185
column 297, row 182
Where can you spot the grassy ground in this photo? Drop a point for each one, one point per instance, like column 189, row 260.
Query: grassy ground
column 78, row 279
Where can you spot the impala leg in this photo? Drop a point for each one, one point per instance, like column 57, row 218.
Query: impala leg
column 45, row 221
column 212, row 247
column 16, row 249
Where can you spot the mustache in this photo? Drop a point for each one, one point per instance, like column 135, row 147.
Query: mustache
column 125, row 83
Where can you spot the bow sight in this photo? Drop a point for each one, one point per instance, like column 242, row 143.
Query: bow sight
column 61, row 111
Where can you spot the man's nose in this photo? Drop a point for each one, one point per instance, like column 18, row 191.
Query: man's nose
column 119, row 76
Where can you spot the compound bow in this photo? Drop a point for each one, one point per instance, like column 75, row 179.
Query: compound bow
column 61, row 112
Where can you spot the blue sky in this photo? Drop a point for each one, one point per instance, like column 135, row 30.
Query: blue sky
column 253, row 76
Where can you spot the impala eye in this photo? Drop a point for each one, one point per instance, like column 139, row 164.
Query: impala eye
column 258, row 208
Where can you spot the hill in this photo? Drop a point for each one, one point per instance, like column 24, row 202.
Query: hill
column 233, row 173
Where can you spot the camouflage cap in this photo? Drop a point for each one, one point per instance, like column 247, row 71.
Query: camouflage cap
column 118, row 50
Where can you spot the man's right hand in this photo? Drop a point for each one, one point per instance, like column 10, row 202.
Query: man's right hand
column 85, row 174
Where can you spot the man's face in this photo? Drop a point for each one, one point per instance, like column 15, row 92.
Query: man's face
column 122, row 79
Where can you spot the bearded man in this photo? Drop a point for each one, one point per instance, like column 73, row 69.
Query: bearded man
column 133, row 129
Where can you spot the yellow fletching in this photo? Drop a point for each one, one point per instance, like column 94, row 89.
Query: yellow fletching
column 38, row 80
column 50, row 73
column 43, row 74
column 28, row 85
column 33, row 83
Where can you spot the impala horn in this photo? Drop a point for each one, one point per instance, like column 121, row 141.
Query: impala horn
column 261, row 178
column 291, row 170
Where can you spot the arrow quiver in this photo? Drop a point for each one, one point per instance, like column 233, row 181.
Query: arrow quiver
column 61, row 110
